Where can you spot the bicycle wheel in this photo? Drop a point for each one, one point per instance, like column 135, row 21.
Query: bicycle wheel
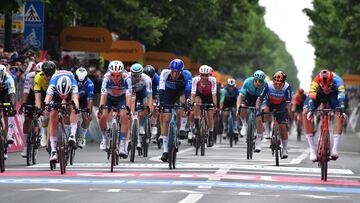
column 2, row 151
column 231, row 131
column 114, row 134
column 61, row 151
column 325, row 153
column 197, row 144
column 72, row 155
column 203, row 136
column 146, row 138
column 171, row 147
column 134, row 136
column 36, row 142
column 276, row 147
column 249, row 139
column 29, row 151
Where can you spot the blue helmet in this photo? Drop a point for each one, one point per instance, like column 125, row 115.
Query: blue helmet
column 259, row 75
column 176, row 65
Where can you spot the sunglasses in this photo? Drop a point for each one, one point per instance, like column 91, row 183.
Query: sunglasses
column 258, row 81
column 204, row 75
column 136, row 75
column 278, row 84
column 326, row 86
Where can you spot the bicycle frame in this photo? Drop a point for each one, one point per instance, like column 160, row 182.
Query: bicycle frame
column 230, row 126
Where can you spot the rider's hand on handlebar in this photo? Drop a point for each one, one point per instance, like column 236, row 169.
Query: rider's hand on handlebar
column 258, row 113
column 309, row 115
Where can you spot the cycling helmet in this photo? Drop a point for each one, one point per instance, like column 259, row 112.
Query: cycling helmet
column 301, row 91
column 136, row 69
column 38, row 66
column 2, row 73
column 259, row 75
column 231, row 82
column 326, row 78
column 48, row 68
column 116, row 67
column 63, row 85
column 176, row 65
column 149, row 70
column 81, row 74
column 204, row 69
column 279, row 77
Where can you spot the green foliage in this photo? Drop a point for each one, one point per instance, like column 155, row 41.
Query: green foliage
column 336, row 35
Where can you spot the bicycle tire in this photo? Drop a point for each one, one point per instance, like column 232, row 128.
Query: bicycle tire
column 34, row 153
column 114, row 132
column 325, row 156
column 29, row 150
column 197, row 142
column 249, row 140
column 134, row 135
column 231, row 131
column 276, row 146
column 61, row 153
column 171, row 148
column 72, row 155
column 202, row 136
column 2, row 151
column 145, row 140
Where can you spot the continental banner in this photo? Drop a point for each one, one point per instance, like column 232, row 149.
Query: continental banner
column 93, row 39
column 124, row 51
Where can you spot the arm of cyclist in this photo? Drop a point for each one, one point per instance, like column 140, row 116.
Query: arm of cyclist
column 260, row 99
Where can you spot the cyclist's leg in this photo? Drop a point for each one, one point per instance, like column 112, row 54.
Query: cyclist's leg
column 265, row 107
column 281, row 119
column 53, row 125
column 103, row 121
column 125, row 122
column 224, row 121
column 338, row 125
column 197, row 114
column 183, row 115
column 243, row 117
column 309, row 128
column 26, row 134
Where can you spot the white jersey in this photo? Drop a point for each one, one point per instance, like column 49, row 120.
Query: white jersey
column 204, row 89
column 29, row 82
column 145, row 84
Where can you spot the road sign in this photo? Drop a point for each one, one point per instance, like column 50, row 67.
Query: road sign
column 34, row 12
column 17, row 21
column 34, row 37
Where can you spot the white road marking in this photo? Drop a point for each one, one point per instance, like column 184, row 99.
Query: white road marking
column 43, row 189
column 113, row 190
column 319, row 196
column 157, row 158
column 191, row 198
column 301, row 157
column 245, row 193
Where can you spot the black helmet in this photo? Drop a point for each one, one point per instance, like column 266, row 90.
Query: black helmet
column 49, row 68
column 149, row 70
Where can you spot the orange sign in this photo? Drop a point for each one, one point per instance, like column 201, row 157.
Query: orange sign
column 92, row 39
column 186, row 60
column 351, row 80
column 124, row 51
column 158, row 59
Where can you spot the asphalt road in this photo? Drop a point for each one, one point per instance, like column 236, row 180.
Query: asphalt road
column 222, row 175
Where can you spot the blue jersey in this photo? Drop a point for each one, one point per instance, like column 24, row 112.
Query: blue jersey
column 227, row 95
column 169, row 87
column 54, row 79
column 108, row 86
column 276, row 97
column 249, row 89
column 155, row 84
column 87, row 90
column 9, row 85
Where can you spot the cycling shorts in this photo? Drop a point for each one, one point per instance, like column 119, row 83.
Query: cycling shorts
column 141, row 97
column 280, row 117
column 205, row 99
column 330, row 99
column 229, row 104
column 83, row 102
column 115, row 102
column 250, row 100
column 299, row 108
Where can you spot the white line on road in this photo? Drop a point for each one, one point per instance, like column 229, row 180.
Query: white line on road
column 301, row 157
column 191, row 198
column 157, row 158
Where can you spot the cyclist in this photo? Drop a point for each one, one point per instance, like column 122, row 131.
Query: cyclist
column 175, row 84
column 228, row 97
column 86, row 94
column 139, row 85
column 326, row 87
column 7, row 91
column 204, row 91
column 155, row 78
column 41, row 83
column 250, row 91
column 113, row 89
column 28, row 98
column 298, row 104
column 276, row 95
column 62, row 88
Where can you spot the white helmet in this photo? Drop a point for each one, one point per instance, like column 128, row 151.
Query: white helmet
column 63, row 85
column 231, row 82
column 81, row 74
column 204, row 69
column 38, row 66
column 116, row 67
column 2, row 73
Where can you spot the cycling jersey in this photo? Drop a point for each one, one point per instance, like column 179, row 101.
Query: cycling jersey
column 108, row 86
column 250, row 92
column 155, row 84
column 276, row 97
column 8, row 87
column 86, row 92
column 208, row 88
column 337, row 92
column 52, row 91
column 29, row 88
column 228, row 97
column 144, row 85
column 298, row 101
column 40, row 82
column 170, row 90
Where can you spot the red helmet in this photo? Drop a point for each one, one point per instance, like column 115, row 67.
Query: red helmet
column 326, row 78
column 301, row 91
column 279, row 77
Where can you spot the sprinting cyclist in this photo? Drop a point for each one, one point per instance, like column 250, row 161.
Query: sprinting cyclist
column 7, row 95
column 155, row 79
column 298, row 104
column 203, row 91
column 28, row 98
column 139, row 85
column 327, row 88
column 62, row 88
column 174, row 86
column 113, row 91
column 228, row 97
column 276, row 95
column 250, row 91
column 41, row 83
column 86, row 94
